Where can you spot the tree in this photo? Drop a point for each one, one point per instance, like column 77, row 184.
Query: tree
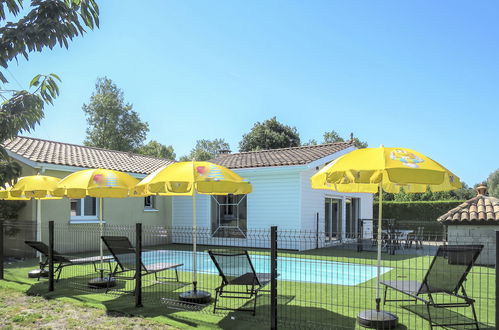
column 311, row 142
column 46, row 24
column 493, row 183
column 271, row 134
column 112, row 124
column 156, row 149
column 333, row 136
column 206, row 149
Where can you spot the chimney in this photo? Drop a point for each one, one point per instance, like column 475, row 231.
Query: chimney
column 481, row 189
column 224, row 151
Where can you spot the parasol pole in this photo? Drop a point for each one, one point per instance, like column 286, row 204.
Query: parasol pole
column 101, row 250
column 39, row 225
column 194, row 228
column 380, row 222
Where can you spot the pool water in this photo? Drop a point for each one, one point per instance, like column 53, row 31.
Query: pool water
column 289, row 269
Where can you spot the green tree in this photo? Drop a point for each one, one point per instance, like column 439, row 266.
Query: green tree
column 271, row 134
column 156, row 149
column 47, row 23
column 493, row 183
column 333, row 136
column 206, row 149
column 112, row 123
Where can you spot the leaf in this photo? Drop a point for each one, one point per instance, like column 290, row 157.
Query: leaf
column 35, row 81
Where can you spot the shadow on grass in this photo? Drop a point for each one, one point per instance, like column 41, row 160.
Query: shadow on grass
column 289, row 316
column 443, row 316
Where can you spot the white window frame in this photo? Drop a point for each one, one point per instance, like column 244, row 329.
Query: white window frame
column 152, row 207
column 85, row 218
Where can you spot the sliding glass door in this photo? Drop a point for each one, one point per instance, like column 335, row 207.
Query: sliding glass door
column 332, row 218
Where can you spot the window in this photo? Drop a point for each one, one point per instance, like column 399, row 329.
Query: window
column 229, row 215
column 84, row 209
column 150, row 203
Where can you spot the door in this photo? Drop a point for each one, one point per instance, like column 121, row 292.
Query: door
column 352, row 216
column 332, row 218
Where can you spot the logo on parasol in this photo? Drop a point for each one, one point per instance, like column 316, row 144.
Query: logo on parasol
column 407, row 158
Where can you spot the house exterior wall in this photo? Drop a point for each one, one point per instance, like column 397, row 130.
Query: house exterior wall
column 312, row 201
column 476, row 234
column 282, row 196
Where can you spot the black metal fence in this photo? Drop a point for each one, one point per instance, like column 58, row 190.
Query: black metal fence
column 303, row 279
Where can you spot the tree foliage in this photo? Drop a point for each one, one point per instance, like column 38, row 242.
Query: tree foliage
column 333, row 136
column 156, row 149
column 112, row 123
column 206, row 149
column 461, row 194
column 47, row 23
column 270, row 134
column 493, row 183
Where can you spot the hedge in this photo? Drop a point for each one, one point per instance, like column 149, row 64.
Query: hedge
column 410, row 215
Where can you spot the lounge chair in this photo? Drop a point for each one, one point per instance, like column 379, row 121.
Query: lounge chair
column 62, row 261
column 124, row 254
column 236, row 269
column 446, row 275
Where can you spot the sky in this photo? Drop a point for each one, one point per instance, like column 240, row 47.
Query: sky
column 417, row 74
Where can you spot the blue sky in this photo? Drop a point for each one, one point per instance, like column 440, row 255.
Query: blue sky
column 419, row 74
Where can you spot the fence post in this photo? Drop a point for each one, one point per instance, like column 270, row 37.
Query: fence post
column 497, row 279
column 273, row 277
column 138, row 265
column 51, row 255
column 317, row 232
column 1, row 250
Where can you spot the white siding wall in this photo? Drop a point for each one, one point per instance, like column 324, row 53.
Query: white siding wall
column 281, row 197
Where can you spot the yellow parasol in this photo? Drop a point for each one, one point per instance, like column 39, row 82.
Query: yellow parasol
column 99, row 183
column 372, row 170
column 190, row 178
column 39, row 187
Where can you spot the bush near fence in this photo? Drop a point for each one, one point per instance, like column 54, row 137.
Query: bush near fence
column 412, row 214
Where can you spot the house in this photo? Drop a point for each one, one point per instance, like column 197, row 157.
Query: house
column 60, row 159
column 475, row 222
column 282, row 196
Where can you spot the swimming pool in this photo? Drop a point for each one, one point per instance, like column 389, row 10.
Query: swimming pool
column 289, row 269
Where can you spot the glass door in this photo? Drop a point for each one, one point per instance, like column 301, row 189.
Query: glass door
column 332, row 218
column 352, row 216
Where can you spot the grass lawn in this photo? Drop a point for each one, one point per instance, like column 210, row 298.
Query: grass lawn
column 301, row 304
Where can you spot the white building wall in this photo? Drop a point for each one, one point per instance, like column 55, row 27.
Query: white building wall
column 476, row 234
column 283, row 197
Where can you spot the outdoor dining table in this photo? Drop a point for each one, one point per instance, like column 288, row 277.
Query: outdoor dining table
column 395, row 238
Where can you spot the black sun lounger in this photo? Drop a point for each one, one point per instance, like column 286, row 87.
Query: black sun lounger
column 61, row 261
column 124, row 254
column 446, row 275
column 236, row 269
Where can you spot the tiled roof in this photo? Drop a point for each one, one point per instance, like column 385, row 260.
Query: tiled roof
column 479, row 208
column 280, row 157
column 52, row 152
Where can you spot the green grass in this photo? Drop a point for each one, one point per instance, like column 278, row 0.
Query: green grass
column 300, row 304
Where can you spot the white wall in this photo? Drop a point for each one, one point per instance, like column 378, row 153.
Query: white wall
column 282, row 196
column 476, row 234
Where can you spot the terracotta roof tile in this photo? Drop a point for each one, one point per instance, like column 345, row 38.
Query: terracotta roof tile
column 280, row 157
column 479, row 208
column 52, row 152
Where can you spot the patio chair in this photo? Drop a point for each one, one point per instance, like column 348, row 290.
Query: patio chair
column 416, row 238
column 446, row 275
column 124, row 254
column 62, row 261
column 236, row 270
